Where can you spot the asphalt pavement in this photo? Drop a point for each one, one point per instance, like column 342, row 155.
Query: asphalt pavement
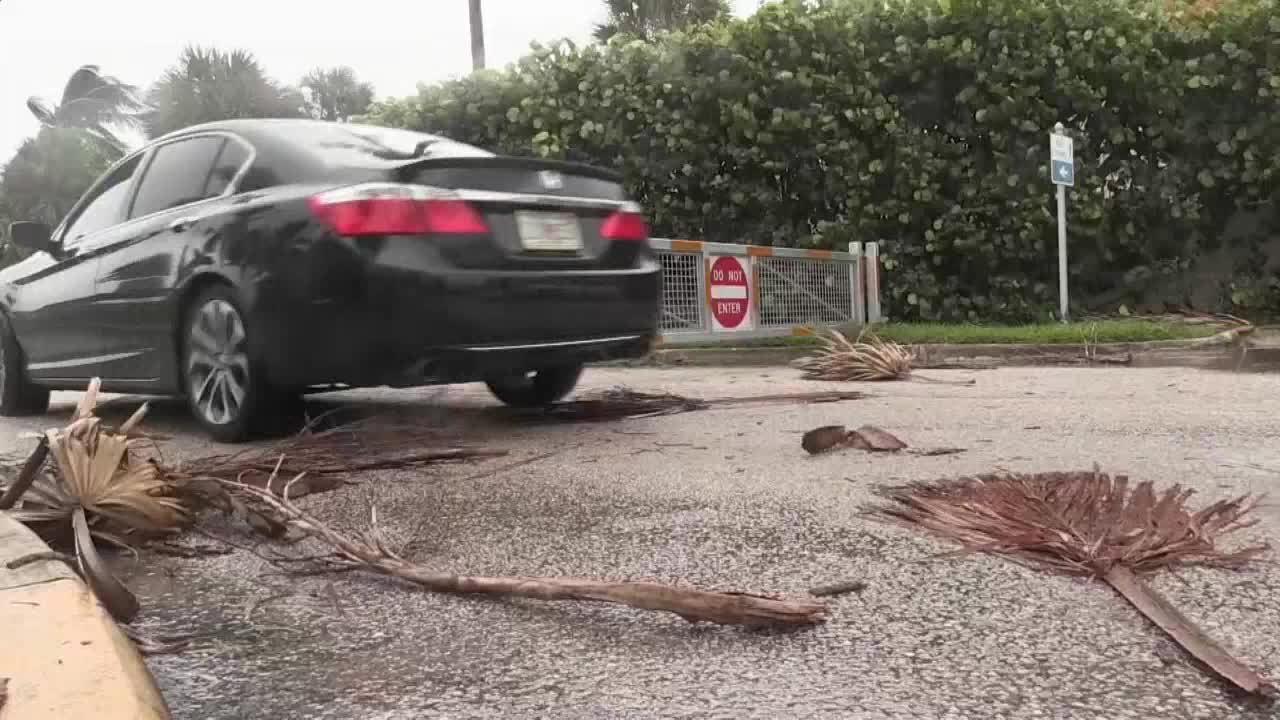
column 726, row 499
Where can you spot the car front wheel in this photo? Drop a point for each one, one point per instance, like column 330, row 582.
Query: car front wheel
column 535, row 389
column 226, row 395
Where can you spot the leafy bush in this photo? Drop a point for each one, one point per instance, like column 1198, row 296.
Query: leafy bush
column 919, row 123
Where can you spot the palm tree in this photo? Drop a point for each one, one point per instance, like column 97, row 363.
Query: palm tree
column 49, row 172
column 208, row 84
column 92, row 102
column 336, row 93
column 644, row 18
column 477, row 36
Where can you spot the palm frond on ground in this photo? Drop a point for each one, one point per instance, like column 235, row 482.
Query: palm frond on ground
column 98, row 470
column 1093, row 525
column 840, row 359
column 1080, row 523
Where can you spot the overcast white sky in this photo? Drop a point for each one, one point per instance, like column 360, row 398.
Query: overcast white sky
column 393, row 43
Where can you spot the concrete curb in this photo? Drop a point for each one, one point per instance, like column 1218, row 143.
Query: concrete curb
column 62, row 653
column 1160, row 353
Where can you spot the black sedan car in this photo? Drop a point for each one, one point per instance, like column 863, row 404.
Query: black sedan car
column 245, row 263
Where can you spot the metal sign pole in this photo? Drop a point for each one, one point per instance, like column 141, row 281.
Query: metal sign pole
column 1063, row 303
column 1062, row 171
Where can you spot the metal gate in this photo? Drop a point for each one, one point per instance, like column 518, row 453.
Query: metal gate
column 718, row 292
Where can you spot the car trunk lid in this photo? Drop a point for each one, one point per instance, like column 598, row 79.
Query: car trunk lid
column 541, row 214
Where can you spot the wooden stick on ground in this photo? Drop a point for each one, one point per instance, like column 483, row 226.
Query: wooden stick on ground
column 27, row 476
column 373, row 553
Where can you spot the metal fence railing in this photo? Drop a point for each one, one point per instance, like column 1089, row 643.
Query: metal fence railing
column 716, row 291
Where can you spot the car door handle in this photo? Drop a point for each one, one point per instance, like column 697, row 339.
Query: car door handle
column 183, row 224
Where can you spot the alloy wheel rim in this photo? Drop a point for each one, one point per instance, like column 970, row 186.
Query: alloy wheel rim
column 218, row 362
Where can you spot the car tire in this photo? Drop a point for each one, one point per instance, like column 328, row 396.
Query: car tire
column 536, row 389
column 18, row 395
column 222, row 381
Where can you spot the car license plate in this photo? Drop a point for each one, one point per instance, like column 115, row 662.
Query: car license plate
column 549, row 232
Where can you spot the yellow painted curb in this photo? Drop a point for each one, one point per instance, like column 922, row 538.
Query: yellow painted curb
column 63, row 655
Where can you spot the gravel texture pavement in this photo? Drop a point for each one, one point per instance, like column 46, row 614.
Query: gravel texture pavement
column 726, row 499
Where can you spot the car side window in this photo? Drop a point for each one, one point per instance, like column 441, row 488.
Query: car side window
column 177, row 175
column 106, row 206
column 226, row 167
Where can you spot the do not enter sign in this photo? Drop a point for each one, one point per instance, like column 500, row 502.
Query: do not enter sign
column 729, row 290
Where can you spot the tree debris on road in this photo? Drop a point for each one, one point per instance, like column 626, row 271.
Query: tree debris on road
column 1239, row 332
column 839, row 588
column 939, row 452
column 627, row 404
column 103, row 485
column 872, row 360
column 834, row 437
column 868, row 437
column 372, row 552
column 330, row 456
column 1092, row 525
column 840, row 359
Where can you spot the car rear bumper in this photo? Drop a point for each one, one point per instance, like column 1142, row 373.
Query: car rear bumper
column 371, row 325
column 465, row 364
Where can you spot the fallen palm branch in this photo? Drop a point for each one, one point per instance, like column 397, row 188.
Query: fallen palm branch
column 1231, row 336
column 627, row 404
column 373, row 553
column 329, row 456
column 327, row 460
column 87, row 482
column 97, row 488
column 1092, row 525
column 840, row 359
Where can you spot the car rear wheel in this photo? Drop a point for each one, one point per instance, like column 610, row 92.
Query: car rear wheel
column 18, row 395
column 537, row 388
column 226, row 393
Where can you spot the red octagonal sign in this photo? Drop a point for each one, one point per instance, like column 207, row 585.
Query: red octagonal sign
column 730, row 292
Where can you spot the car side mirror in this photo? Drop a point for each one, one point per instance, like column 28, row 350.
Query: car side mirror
column 33, row 236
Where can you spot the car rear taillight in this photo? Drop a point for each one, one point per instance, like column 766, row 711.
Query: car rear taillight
column 625, row 225
column 392, row 209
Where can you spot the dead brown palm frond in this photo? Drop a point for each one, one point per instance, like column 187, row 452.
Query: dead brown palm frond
column 96, row 470
column 622, row 403
column 1094, row 525
column 328, row 456
column 868, row 358
column 326, row 459
column 84, row 482
column 372, row 552
column 618, row 403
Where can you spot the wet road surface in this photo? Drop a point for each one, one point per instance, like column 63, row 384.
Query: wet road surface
column 726, row 499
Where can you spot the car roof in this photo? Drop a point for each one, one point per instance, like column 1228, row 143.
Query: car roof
column 305, row 150
column 296, row 129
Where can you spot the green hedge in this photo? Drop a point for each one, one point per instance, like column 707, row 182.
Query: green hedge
column 922, row 124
